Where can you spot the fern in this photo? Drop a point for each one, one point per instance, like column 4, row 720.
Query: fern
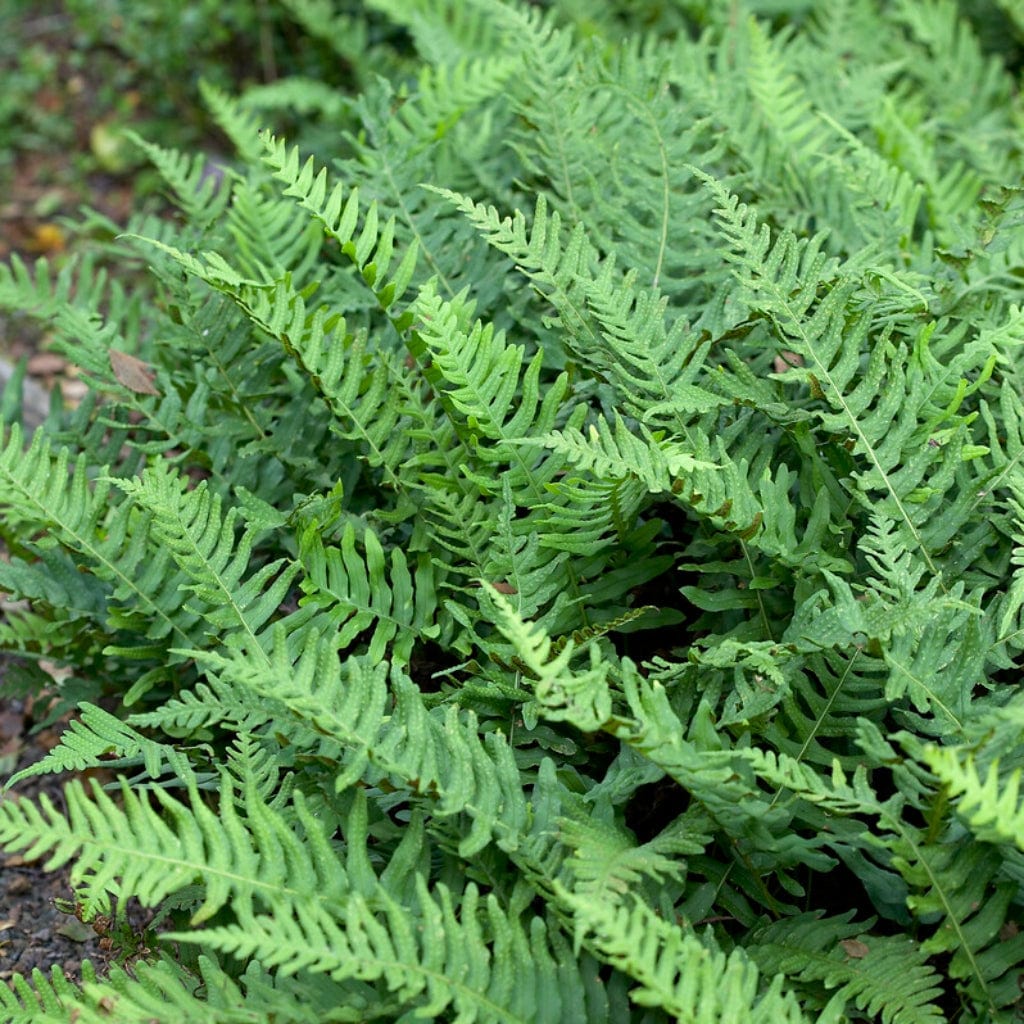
column 884, row 976
column 543, row 541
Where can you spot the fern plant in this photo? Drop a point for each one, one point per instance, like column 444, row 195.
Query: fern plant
column 548, row 545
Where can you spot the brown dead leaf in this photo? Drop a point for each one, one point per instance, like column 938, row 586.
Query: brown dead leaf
column 504, row 588
column 855, row 949
column 786, row 361
column 133, row 373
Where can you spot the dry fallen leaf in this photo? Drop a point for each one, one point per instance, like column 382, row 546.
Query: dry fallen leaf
column 133, row 373
column 855, row 949
column 786, row 360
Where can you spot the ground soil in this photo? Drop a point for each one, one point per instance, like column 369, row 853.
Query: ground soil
column 38, row 926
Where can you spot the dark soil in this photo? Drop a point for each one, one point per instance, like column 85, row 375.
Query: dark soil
column 38, row 928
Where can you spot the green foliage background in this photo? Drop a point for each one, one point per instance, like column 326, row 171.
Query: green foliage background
column 562, row 557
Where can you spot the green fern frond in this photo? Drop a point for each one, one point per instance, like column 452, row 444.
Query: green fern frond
column 989, row 803
column 130, row 582
column 606, row 862
column 580, row 697
column 98, row 739
column 892, row 430
column 817, row 719
column 163, row 991
column 201, row 190
column 559, row 267
column 300, row 95
column 517, row 559
column 348, row 35
column 436, row 955
column 619, row 452
column 89, row 314
column 956, row 888
column 444, row 93
column 773, row 126
column 358, row 387
column 266, row 239
column 360, row 593
column 202, row 542
column 153, row 845
column 238, row 124
column 587, row 516
column 491, row 401
column 692, row 980
column 209, row 704
column 439, row 756
column 372, row 251
column 445, row 35
column 887, row 977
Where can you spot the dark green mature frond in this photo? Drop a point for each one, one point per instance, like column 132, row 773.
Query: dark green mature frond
column 818, row 718
column 961, row 886
column 613, row 326
column 612, row 142
column 956, row 890
column 587, row 516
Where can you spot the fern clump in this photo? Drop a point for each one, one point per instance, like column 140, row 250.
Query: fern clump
column 548, row 546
